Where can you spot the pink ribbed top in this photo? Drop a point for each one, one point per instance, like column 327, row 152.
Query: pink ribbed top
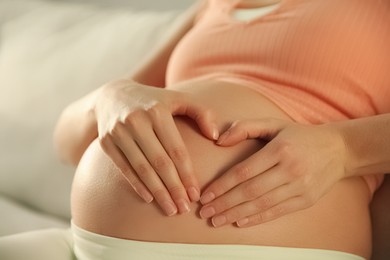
column 318, row 60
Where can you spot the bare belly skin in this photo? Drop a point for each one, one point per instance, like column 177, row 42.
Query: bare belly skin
column 103, row 202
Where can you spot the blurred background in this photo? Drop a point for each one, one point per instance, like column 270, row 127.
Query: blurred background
column 141, row 4
column 53, row 52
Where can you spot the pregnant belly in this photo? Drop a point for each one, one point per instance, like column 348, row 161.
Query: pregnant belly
column 103, row 202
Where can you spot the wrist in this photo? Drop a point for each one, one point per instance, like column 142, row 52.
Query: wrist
column 342, row 151
column 353, row 162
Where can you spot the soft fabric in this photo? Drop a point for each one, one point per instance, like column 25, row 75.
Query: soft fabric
column 16, row 218
column 314, row 68
column 52, row 53
column 49, row 244
column 92, row 246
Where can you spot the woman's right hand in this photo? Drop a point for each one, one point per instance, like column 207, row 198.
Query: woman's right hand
column 137, row 131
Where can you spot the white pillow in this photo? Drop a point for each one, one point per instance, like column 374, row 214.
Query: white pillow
column 51, row 54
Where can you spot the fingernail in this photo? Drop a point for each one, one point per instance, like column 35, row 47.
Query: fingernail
column 207, row 212
column 215, row 134
column 223, row 137
column 183, row 205
column 218, row 221
column 242, row 222
column 146, row 196
column 169, row 208
column 207, row 197
column 193, row 193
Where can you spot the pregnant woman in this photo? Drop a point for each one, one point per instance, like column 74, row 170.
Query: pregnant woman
column 265, row 71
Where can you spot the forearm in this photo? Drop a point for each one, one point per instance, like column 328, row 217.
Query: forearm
column 367, row 142
column 152, row 69
column 76, row 129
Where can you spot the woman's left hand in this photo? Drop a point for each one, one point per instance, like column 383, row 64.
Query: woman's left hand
column 298, row 165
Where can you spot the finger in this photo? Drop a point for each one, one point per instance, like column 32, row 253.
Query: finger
column 247, row 129
column 286, row 207
column 169, row 136
column 166, row 170
column 145, row 171
column 261, row 204
column 245, row 192
column 124, row 166
column 256, row 164
column 150, row 178
column 203, row 115
column 162, row 165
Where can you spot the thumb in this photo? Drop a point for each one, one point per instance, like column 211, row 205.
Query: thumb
column 201, row 114
column 249, row 129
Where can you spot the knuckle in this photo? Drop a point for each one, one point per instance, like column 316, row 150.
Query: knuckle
column 237, row 124
column 306, row 182
column 155, row 110
column 251, row 190
column 257, row 218
column 310, row 199
column 143, row 170
column 161, row 162
column 241, row 125
column 284, row 149
column 263, row 203
column 176, row 99
column 187, row 178
column 242, row 173
column 176, row 191
column 178, row 154
column 135, row 183
column 221, row 205
column 233, row 215
column 219, row 187
column 132, row 119
column 161, row 195
column 117, row 130
column 299, row 167
column 122, row 166
column 275, row 212
column 296, row 170
column 294, row 173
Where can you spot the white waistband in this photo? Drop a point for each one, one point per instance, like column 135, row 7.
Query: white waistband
column 92, row 246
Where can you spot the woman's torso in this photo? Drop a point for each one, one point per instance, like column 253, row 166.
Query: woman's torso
column 288, row 83
column 103, row 202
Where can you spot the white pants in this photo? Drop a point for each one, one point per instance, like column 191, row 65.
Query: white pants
column 92, row 246
column 56, row 244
